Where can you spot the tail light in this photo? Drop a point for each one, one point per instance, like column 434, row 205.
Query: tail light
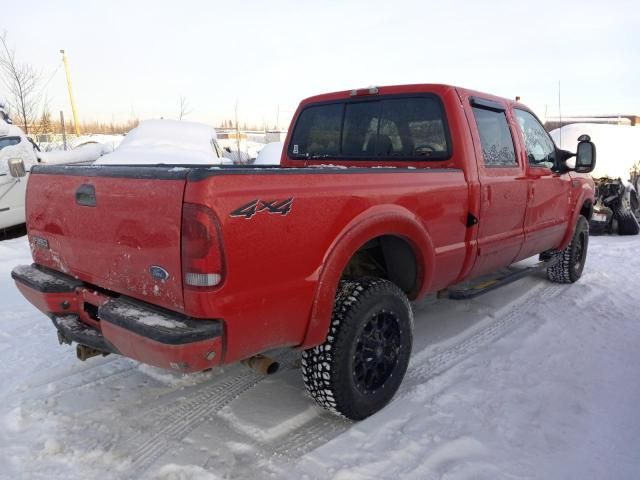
column 202, row 258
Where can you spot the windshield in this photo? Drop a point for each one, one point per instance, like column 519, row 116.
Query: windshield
column 8, row 141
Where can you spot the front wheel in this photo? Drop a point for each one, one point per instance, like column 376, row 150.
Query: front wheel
column 569, row 267
column 361, row 364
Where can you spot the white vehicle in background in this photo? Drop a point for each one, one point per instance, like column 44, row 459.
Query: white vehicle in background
column 617, row 179
column 155, row 142
column 270, row 154
column 17, row 155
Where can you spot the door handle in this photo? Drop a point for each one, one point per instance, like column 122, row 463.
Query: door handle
column 486, row 194
column 86, row 195
column 532, row 191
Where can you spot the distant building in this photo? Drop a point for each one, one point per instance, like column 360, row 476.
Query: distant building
column 230, row 135
column 275, row 135
column 259, row 136
column 555, row 122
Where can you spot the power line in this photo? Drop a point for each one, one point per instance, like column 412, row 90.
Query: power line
column 50, row 78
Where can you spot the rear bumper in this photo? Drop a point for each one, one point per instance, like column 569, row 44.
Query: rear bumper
column 116, row 324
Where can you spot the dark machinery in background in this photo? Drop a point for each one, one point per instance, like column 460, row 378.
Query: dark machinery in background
column 617, row 208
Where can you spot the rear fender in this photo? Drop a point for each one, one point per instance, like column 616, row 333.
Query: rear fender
column 373, row 223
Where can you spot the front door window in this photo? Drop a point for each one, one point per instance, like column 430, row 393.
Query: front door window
column 541, row 151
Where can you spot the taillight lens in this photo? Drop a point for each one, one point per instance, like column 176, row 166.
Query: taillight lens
column 202, row 261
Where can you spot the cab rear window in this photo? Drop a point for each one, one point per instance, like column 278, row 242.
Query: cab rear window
column 405, row 128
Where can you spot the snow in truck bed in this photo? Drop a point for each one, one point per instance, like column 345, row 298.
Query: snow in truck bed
column 535, row 380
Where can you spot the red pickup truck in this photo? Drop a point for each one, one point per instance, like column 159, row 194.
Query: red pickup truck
column 383, row 195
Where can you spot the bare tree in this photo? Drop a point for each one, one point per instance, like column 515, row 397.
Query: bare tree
column 184, row 107
column 22, row 82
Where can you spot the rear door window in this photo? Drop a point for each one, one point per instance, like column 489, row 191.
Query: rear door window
column 415, row 128
column 495, row 138
column 407, row 128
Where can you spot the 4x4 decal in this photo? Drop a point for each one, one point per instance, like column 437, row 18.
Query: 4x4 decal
column 248, row 210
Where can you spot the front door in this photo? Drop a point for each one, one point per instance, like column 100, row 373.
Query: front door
column 548, row 192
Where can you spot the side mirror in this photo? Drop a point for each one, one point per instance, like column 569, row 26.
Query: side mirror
column 585, row 155
column 227, row 149
column 16, row 168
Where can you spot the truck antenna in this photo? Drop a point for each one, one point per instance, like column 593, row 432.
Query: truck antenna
column 560, row 113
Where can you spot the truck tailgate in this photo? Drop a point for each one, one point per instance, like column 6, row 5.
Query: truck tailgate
column 115, row 227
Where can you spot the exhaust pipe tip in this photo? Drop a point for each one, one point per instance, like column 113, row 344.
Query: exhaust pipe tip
column 273, row 367
column 262, row 364
column 84, row 353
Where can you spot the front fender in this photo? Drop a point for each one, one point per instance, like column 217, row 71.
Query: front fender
column 586, row 193
column 372, row 223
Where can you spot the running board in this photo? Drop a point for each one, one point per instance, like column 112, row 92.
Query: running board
column 484, row 284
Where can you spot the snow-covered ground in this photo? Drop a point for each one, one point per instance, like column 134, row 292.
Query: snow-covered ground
column 535, row 380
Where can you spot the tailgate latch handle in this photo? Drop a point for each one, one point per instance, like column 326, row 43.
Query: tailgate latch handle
column 86, row 195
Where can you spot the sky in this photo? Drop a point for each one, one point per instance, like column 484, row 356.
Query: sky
column 136, row 59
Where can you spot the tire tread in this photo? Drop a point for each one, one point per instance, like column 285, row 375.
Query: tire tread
column 319, row 364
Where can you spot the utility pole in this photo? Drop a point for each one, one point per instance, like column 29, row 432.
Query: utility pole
column 64, row 133
column 76, row 124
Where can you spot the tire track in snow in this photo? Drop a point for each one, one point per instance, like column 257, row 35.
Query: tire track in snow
column 76, row 380
column 423, row 369
column 310, row 436
column 327, row 426
column 103, row 380
column 184, row 416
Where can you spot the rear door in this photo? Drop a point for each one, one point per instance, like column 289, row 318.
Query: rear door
column 109, row 226
column 548, row 192
column 502, row 182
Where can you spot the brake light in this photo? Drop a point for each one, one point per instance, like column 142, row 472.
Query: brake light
column 202, row 258
column 359, row 92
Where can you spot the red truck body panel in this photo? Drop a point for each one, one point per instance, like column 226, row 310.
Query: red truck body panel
column 134, row 224
column 282, row 265
column 274, row 262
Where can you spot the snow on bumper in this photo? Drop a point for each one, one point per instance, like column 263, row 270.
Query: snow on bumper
column 121, row 325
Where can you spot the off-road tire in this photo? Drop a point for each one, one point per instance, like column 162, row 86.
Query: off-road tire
column 569, row 267
column 627, row 222
column 634, row 203
column 333, row 371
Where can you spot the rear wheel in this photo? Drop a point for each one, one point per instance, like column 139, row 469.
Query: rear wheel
column 360, row 366
column 571, row 261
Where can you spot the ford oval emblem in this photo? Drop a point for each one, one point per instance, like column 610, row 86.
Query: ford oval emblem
column 158, row 273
